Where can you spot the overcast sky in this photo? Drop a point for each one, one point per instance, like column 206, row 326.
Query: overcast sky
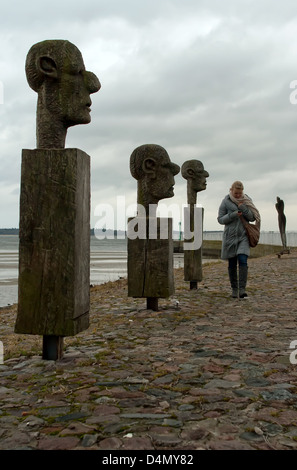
column 206, row 79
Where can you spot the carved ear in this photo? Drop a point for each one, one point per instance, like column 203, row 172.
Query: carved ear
column 149, row 166
column 48, row 67
column 190, row 173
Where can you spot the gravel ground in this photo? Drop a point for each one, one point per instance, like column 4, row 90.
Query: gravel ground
column 204, row 372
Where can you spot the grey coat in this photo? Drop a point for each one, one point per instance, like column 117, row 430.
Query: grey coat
column 235, row 240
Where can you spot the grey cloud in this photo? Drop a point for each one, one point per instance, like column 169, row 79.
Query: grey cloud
column 220, row 95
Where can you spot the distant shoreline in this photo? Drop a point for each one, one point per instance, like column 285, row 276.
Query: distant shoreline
column 9, row 231
column 108, row 233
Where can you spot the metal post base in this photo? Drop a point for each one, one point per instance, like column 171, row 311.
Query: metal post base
column 193, row 285
column 52, row 348
column 152, row 303
column 285, row 251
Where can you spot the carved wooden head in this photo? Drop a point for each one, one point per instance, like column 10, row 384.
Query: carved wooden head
column 55, row 70
column 151, row 166
column 193, row 171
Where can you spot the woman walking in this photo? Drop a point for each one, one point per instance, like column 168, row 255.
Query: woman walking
column 235, row 245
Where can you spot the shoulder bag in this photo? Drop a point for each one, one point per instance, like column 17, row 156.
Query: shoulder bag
column 252, row 231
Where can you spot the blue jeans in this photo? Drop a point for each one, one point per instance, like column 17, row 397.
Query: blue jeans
column 242, row 261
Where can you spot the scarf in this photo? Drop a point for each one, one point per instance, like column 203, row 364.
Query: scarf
column 245, row 199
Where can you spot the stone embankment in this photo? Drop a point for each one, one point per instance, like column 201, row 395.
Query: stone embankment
column 205, row 372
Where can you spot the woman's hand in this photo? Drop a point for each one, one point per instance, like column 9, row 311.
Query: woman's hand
column 239, row 211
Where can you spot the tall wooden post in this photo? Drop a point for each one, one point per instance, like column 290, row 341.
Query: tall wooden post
column 54, row 250
column 195, row 174
column 150, row 263
column 193, row 248
column 150, row 255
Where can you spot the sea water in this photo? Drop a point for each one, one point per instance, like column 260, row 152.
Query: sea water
column 108, row 262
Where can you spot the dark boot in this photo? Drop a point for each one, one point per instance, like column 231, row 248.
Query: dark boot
column 233, row 281
column 243, row 274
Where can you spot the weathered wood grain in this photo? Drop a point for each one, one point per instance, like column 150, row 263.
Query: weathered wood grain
column 150, row 261
column 193, row 258
column 54, row 249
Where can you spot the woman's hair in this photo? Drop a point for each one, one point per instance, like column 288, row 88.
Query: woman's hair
column 237, row 185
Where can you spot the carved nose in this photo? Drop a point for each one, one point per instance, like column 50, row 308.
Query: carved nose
column 92, row 82
column 174, row 168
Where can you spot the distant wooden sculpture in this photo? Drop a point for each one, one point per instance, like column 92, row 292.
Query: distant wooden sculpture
column 195, row 174
column 54, row 248
column 150, row 253
column 280, row 206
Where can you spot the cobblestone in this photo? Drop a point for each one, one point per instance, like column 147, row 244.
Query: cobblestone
column 209, row 372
